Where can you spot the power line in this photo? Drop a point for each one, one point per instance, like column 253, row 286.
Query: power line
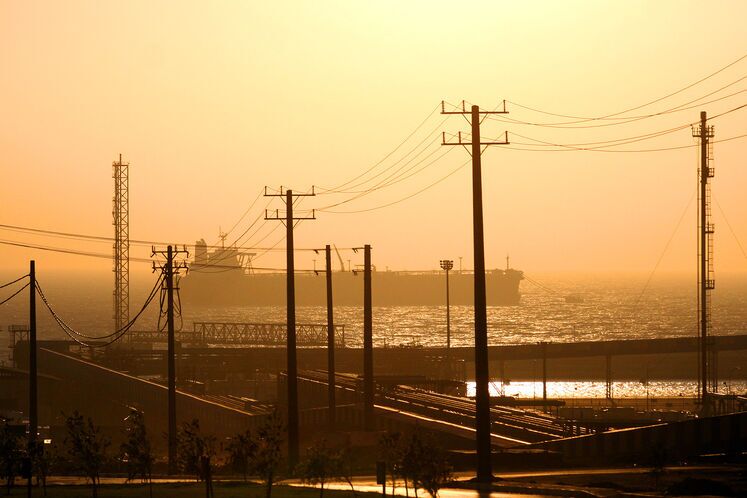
column 433, row 111
column 14, row 281
column 403, row 176
column 597, row 118
column 70, row 235
column 259, row 195
column 350, row 191
column 251, row 225
column 410, row 196
column 117, row 333
column 543, row 287
column 563, row 148
column 731, row 229
column 664, row 251
column 431, row 135
column 623, row 141
column 727, row 112
column 66, row 251
column 609, row 143
column 14, row 294
column 95, row 238
column 630, row 119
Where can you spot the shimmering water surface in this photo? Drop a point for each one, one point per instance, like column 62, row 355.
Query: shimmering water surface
column 586, row 389
column 612, row 307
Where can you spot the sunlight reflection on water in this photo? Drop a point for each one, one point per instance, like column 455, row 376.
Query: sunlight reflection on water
column 611, row 308
column 591, row 389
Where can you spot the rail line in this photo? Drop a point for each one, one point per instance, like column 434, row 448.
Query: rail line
column 519, row 425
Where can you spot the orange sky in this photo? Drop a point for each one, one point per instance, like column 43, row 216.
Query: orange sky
column 210, row 102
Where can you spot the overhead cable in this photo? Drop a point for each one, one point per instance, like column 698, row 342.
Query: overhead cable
column 13, row 295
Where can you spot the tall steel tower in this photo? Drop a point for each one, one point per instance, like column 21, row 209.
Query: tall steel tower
column 706, row 282
column 120, row 212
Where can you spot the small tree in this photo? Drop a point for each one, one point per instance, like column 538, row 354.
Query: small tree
column 136, row 451
column 241, row 451
column 320, row 465
column 192, row 448
column 347, row 464
column 40, row 463
column 411, row 456
column 86, row 447
column 269, row 456
column 390, row 451
column 435, row 470
column 10, row 455
column 424, row 464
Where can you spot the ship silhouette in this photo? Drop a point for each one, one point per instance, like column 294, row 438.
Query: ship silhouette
column 226, row 276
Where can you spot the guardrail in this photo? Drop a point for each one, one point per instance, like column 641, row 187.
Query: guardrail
column 250, row 334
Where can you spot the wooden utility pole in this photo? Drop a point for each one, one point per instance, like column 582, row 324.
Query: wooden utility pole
column 368, row 370
column 331, row 381
column 172, row 362
column 292, row 365
column 543, row 345
column 169, row 269
column 482, row 374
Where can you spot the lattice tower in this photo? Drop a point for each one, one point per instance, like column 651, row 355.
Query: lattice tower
column 121, row 223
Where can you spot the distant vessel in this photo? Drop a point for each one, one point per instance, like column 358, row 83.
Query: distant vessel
column 574, row 298
column 225, row 276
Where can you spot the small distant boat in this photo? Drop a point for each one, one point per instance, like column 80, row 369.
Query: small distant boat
column 574, row 298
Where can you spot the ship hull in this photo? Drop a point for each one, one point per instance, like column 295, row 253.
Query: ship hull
column 388, row 288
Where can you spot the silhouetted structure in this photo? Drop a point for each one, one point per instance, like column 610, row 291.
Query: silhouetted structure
column 446, row 265
column 292, row 421
column 331, row 405
column 706, row 282
column 33, row 373
column 225, row 276
column 121, row 214
column 482, row 375
column 169, row 269
column 368, row 373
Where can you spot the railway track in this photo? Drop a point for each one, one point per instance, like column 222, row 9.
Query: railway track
column 518, row 424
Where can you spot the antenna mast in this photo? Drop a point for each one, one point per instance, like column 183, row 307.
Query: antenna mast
column 706, row 282
column 121, row 224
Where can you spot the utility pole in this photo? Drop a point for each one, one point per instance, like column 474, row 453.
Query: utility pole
column 368, row 370
column 169, row 269
column 543, row 345
column 446, row 265
column 331, row 380
column 706, row 281
column 33, row 374
column 482, row 374
column 292, row 366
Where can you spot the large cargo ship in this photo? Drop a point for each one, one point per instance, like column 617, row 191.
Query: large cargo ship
column 225, row 276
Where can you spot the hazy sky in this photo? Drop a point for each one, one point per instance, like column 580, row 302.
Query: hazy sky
column 211, row 101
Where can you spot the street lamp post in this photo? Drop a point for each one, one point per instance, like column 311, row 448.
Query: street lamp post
column 446, row 265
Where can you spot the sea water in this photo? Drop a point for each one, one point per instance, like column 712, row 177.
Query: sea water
column 612, row 307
